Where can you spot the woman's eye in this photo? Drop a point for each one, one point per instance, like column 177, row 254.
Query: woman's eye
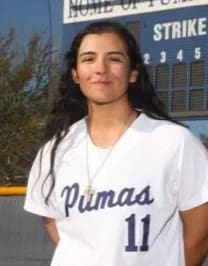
column 87, row 59
column 115, row 59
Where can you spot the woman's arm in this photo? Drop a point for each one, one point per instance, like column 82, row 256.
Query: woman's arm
column 50, row 226
column 195, row 226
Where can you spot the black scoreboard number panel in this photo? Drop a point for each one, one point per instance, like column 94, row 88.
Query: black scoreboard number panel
column 182, row 82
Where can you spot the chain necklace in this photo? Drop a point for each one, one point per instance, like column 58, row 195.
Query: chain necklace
column 90, row 191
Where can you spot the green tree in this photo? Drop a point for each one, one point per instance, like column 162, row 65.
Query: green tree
column 24, row 89
column 204, row 139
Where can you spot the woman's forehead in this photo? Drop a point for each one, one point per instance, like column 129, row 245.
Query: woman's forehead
column 102, row 40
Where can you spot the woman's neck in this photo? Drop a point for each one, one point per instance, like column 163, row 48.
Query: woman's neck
column 106, row 124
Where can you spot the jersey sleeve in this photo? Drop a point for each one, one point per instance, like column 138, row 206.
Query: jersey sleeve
column 36, row 192
column 192, row 173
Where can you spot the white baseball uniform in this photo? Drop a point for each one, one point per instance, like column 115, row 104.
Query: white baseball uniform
column 155, row 170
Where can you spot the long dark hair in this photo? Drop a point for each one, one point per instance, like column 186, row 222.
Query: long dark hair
column 70, row 104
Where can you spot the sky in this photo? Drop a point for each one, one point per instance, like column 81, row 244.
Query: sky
column 32, row 16
column 198, row 127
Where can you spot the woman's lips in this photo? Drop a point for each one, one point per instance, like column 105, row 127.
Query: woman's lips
column 101, row 82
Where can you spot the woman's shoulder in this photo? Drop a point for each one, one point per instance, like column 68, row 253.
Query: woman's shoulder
column 69, row 137
column 168, row 131
column 76, row 132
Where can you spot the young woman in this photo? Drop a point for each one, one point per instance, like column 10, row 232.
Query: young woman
column 118, row 182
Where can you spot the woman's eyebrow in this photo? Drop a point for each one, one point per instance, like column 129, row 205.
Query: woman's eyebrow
column 87, row 53
column 108, row 53
column 117, row 53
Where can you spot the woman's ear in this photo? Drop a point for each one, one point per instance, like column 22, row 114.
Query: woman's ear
column 133, row 76
column 75, row 76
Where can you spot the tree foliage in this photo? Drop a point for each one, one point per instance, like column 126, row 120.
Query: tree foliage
column 24, row 90
column 204, row 139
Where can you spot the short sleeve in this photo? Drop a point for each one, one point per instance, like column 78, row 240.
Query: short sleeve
column 192, row 173
column 36, row 192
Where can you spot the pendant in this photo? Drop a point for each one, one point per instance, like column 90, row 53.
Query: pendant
column 89, row 192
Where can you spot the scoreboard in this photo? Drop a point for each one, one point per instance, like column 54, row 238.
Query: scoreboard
column 173, row 38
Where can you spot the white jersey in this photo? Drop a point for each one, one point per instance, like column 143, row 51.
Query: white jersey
column 155, row 170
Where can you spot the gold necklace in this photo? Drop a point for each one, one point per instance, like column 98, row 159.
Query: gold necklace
column 90, row 191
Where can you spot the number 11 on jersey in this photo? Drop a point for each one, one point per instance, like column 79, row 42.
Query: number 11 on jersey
column 131, row 223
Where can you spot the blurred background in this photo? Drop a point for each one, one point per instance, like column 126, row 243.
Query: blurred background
column 30, row 60
column 30, row 63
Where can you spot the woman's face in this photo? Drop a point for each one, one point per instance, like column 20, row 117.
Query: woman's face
column 103, row 68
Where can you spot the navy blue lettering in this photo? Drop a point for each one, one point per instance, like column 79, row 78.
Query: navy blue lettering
column 85, row 205
column 144, row 196
column 68, row 191
column 105, row 198
column 125, row 197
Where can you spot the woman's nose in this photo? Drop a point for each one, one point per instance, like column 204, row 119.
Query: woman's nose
column 101, row 65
